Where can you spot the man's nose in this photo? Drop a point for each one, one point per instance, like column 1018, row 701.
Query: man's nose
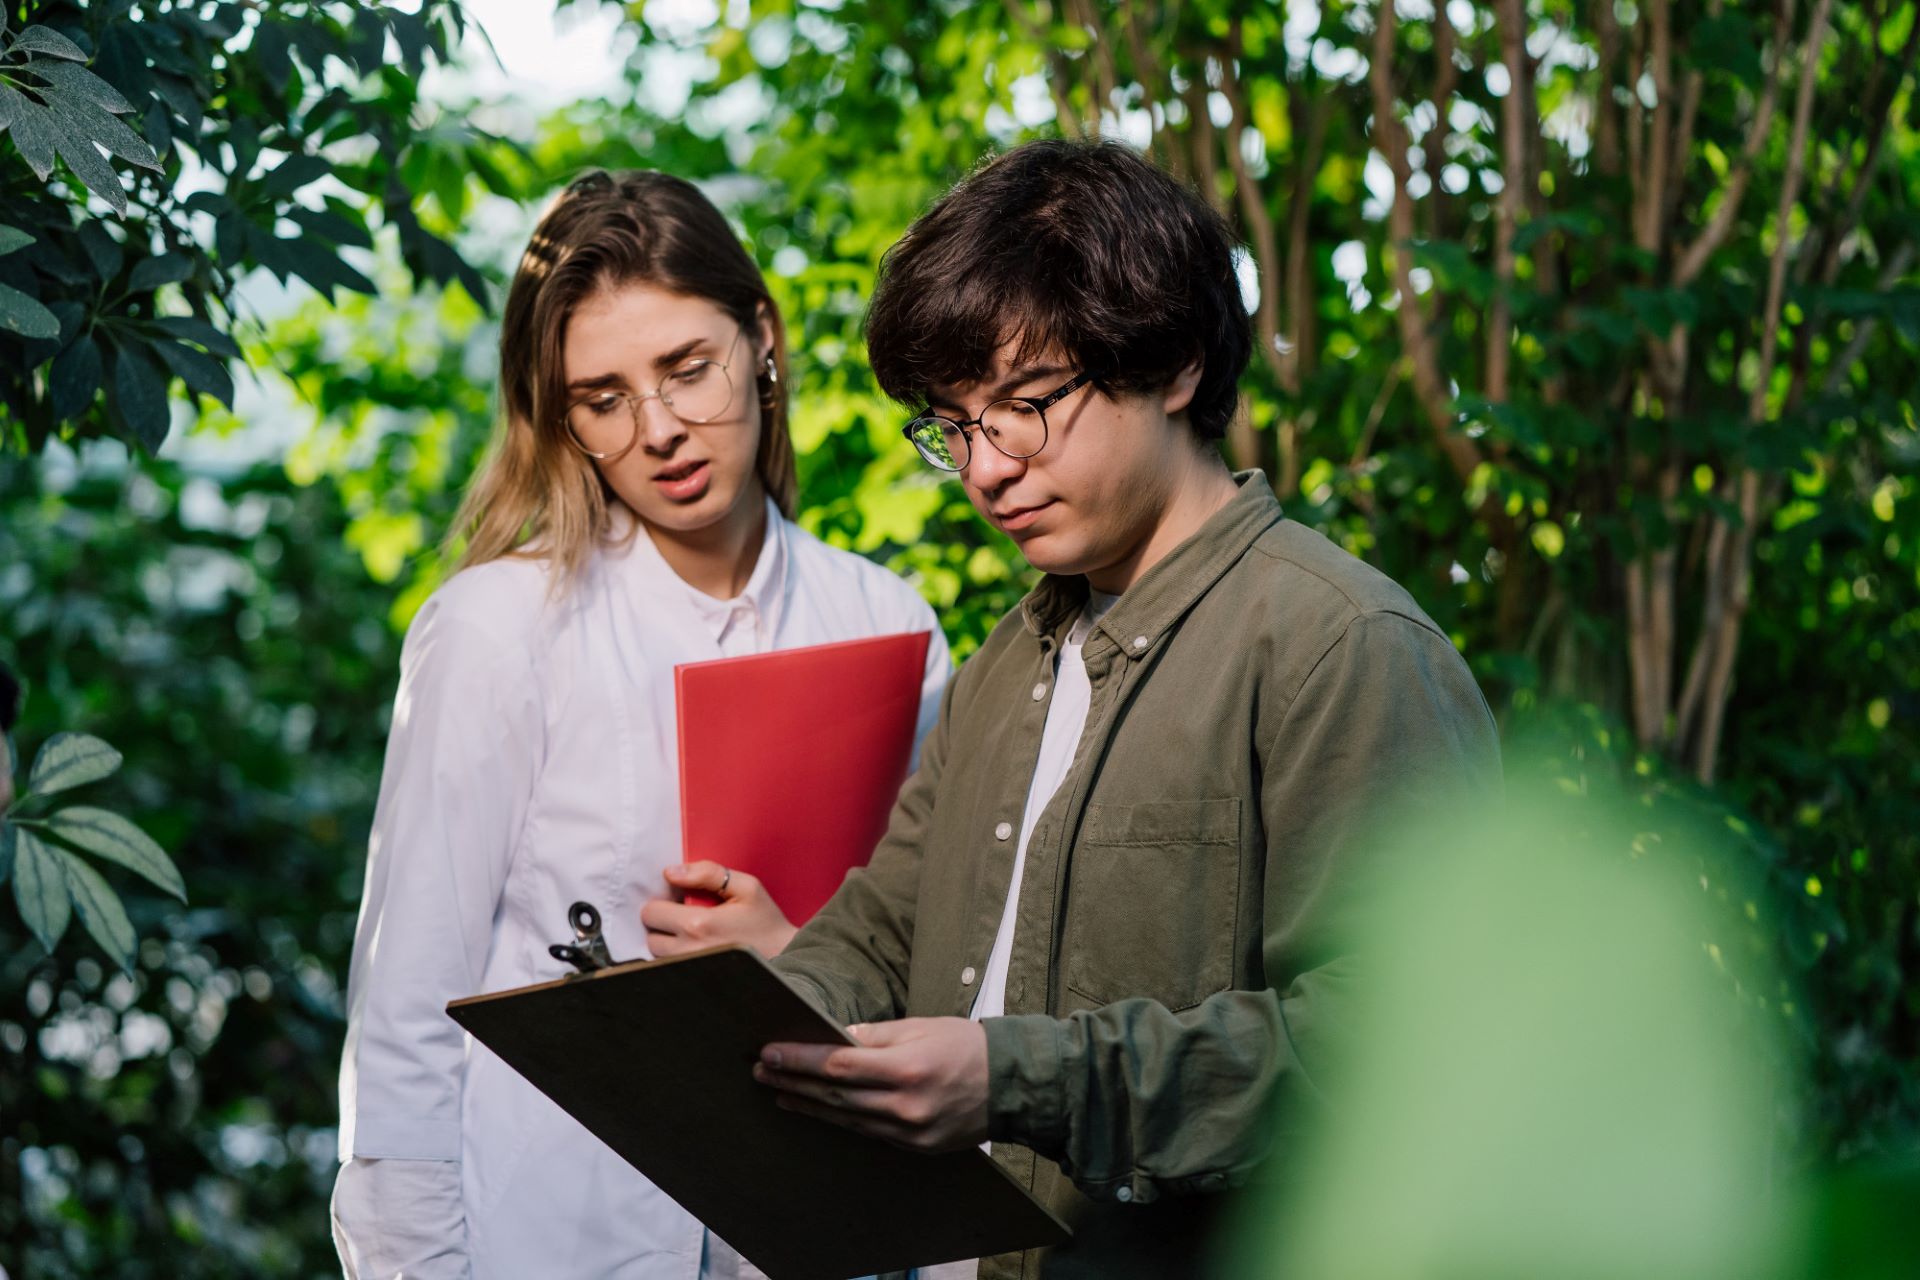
column 988, row 468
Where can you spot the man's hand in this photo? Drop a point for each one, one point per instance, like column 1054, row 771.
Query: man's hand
column 919, row 1083
column 746, row 913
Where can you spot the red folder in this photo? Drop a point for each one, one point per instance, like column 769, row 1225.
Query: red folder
column 790, row 761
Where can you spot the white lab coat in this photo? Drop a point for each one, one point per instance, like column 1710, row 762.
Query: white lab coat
column 532, row 762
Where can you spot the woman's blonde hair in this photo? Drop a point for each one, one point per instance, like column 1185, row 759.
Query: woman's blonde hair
column 605, row 230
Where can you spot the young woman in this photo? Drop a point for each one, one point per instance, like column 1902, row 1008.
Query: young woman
column 636, row 513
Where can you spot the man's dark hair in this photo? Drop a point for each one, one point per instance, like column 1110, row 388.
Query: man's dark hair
column 1081, row 247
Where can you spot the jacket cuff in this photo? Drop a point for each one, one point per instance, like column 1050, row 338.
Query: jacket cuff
column 370, row 1135
column 1027, row 1056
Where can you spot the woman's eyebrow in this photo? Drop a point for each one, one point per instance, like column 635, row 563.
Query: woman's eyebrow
column 664, row 361
column 667, row 359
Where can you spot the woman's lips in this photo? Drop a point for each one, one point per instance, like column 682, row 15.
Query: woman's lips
column 684, row 484
column 1021, row 517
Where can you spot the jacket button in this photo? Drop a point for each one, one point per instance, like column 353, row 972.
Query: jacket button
column 966, row 976
column 1003, row 831
column 1039, row 691
column 1124, row 1194
column 1139, row 643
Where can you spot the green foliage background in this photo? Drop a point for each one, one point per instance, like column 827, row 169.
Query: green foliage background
column 227, row 613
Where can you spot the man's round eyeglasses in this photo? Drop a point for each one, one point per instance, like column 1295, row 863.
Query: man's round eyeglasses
column 1016, row 426
column 695, row 391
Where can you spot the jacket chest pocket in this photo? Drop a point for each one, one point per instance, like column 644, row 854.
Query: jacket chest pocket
column 1152, row 902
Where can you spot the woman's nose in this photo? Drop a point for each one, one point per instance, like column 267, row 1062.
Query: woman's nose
column 660, row 430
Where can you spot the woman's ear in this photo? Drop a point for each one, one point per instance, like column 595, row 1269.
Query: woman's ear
column 1179, row 392
column 763, row 336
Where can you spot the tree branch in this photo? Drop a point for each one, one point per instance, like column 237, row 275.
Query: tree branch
column 1510, row 15
column 1253, row 208
column 1895, row 267
column 1606, row 140
column 1693, row 258
column 1430, row 388
column 1683, row 133
column 1059, row 72
column 1146, row 70
column 1106, row 75
column 1835, row 236
column 1446, row 81
column 1206, row 170
column 1650, row 194
column 1736, row 578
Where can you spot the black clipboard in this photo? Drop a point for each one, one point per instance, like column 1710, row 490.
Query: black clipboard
column 655, row 1057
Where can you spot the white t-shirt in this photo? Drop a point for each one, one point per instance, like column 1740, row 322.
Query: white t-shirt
column 1066, row 720
column 532, row 762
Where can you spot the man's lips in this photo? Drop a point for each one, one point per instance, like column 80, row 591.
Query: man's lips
column 1019, row 517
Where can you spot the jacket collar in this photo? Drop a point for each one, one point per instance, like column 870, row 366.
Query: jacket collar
column 1164, row 594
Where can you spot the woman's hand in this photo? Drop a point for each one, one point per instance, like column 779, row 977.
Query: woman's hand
column 746, row 913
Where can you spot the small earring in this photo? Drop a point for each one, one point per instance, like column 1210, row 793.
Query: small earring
column 772, row 372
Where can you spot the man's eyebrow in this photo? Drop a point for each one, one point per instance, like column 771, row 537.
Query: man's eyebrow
column 666, row 360
column 1017, row 378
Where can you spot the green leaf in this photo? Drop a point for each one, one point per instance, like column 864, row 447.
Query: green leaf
column 48, row 41
column 22, row 315
column 328, row 225
column 40, row 889
column 102, row 249
column 12, row 238
column 185, row 97
column 140, row 396
column 194, row 329
column 70, row 760
column 165, row 268
column 75, row 377
column 106, row 834
column 202, row 374
column 100, row 910
column 32, row 129
column 85, row 120
column 82, row 83
column 294, row 172
column 7, row 845
column 76, row 148
column 322, row 267
column 270, row 47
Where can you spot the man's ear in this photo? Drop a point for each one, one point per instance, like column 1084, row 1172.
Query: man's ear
column 1179, row 392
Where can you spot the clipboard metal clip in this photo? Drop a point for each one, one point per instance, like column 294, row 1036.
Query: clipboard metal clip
column 587, row 953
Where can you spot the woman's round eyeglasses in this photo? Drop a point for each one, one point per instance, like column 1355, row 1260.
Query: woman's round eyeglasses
column 1016, row 426
column 695, row 391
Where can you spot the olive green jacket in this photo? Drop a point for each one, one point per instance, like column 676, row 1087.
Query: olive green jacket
column 1258, row 697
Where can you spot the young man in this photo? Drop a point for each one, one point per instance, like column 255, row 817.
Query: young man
column 1100, row 930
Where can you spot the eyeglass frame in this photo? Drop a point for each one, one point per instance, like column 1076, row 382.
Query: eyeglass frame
column 635, row 401
column 1039, row 404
